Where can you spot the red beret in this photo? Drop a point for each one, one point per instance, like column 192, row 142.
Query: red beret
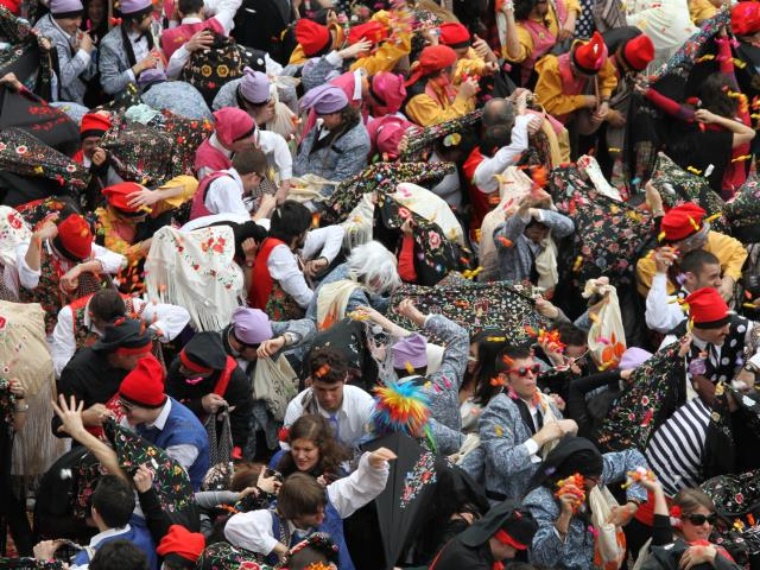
column 313, row 37
column 372, row 31
column 638, row 52
column 682, row 221
column 589, row 56
column 436, row 58
column 745, row 18
column 454, row 35
column 94, row 125
column 707, row 309
column 144, row 386
column 180, row 541
column 75, row 236
column 117, row 196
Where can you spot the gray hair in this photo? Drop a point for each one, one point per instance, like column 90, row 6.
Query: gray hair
column 372, row 265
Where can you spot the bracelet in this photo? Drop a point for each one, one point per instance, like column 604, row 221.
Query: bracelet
column 22, row 409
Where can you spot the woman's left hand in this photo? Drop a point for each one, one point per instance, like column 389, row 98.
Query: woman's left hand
column 315, row 266
column 270, row 347
column 143, row 198
column 697, row 555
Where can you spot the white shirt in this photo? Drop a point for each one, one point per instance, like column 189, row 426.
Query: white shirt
column 29, row 279
column 352, row 417
column 170, row 320
column 284, row 267
column 271, row 144
column 253, row 530
column 663, row 313
column 97, row 539
column 140, row 48
column 504, row 157
column 225, row 195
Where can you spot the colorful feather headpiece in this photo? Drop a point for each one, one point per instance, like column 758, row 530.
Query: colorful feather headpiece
column 400, row 406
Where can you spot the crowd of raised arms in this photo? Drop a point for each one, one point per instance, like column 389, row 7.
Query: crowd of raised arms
column 379, row 285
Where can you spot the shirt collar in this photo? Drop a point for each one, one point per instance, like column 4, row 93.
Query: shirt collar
column 160, row 422
column 214, row 142
column 191, row 20
column 358, row 76
column 100, row 537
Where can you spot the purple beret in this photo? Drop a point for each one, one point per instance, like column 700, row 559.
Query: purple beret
column 633, row 358
column 254, row 86
column 251, row 326
column 132, row 6
column 325, row 99
column 66, row 7
column 412, row 350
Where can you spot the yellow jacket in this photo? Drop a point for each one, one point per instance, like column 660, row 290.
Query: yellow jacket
column 469, row 65
column 728, row 250
column 701, row 10
column 386, row 57
column 526, row 40
column 426, row 111
column 550, row 93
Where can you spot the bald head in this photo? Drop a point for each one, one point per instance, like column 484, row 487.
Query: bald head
column 498, row 112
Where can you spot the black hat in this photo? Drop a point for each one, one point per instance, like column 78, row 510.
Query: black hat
column 125, row 335
column 509, row 517
column 204, row 351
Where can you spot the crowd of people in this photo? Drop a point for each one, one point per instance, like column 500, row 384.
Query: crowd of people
column 328, row 284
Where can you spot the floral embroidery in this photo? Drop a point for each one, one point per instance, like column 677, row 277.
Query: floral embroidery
column 421, row 475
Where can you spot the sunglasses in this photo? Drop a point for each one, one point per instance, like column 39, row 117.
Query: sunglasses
column 523, row 371
column 699, row 520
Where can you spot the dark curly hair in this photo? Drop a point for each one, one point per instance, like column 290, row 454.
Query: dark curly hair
column 316, row 429
column 713, row 92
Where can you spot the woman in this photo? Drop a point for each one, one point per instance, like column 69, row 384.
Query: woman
column 563, row 540
column 431, row 96
column 693, row 515
column 366, row 279
column 313, row 450
column 337, row 148
column 477, row 389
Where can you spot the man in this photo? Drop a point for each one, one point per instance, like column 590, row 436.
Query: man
column 234, row 131
column 714, row 350
column 697, row 270
column 112, row 506
column 684, row 229
column 206, row 380
column 525, row 245
column 505, row 530
column 576, row 87
column 279, row 285
column 95, row 373
column 517, row 425
column 474, row 58
column 533, row 28
column 83, row 322
column 195, row 32
column 73, row 49
column 225, row 191
column 410, row 359
column 162, row 420
column 347, row 408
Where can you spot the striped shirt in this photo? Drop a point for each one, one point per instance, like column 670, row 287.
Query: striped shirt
column 676, row 448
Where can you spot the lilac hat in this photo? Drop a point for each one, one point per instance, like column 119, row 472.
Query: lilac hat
column 633, row 358
column 410, row 350
column 251, row 326
column 66, row 8
column 254, row 87
column 325, row 99
column 133, row 6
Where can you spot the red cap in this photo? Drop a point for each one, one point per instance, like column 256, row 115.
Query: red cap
column 638, row 52
column 682, row 221
column 745, row 18
column 589, row 56
column 505, row 538
column 75, row 236
column 144, row 386
column 233, row 124
column 182, row 542
column 372, row 31
column 454, row 35
column 94, row 125
column 117, row 196
column 312, row 37
column 13, row 5
column 707, row 309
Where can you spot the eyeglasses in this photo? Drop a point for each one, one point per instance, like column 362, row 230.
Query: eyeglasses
column 523, row 371
column 699, row 520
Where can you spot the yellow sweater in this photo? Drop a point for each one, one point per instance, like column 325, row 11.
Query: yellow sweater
column 551, row 22
column 425, row 110
column 728, row 250
column 551, row 95
column 701, row 10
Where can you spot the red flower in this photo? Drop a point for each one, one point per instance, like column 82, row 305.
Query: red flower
column 739, row 498
column 675, row 512
column 3, row 322
column 15, row 221
column 284, row 433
